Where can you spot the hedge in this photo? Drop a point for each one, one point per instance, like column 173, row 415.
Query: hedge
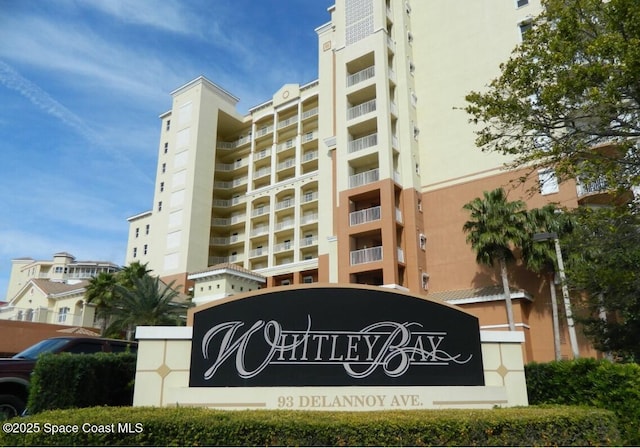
column 544, row 426
column 65, row 381
column 590, row 382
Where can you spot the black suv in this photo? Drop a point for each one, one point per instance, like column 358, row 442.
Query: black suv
column 15, row 372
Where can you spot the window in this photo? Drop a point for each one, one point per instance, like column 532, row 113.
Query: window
column 161, row 187
column 146, row 229
column 135, row 252
column 145, row 249
column 409, row 37
column 159, row 206
column 168, row 124
column 548, row 181
column 424, row 278
column 166, row 147
column 62, row 314
column 164, row 167
column 423, row 241
column 285, row 282
column 525, row 27
column 521, row 3
column 137, row 231
column 307, row 279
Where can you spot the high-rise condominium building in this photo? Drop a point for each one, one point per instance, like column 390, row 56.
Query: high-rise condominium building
column 357, row 177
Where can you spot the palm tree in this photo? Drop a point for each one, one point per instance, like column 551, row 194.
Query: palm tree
column 101, row 292
column 541, row 257
column 496, row 228
column 128, row 274
column 149, row 302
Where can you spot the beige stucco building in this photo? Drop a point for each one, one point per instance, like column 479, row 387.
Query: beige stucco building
column 357, row 177
column 52, row 291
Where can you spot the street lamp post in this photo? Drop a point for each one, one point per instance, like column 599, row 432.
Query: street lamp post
column 565, row 289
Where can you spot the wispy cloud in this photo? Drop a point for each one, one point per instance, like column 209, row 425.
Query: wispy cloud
column 11, row 79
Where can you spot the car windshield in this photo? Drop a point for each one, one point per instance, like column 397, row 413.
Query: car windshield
column 46, row 346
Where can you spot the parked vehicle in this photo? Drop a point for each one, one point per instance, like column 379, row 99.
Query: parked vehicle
column 15, row 372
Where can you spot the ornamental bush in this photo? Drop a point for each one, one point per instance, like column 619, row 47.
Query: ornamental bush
column 590, row 382
column 61, row 381
column 137, row 426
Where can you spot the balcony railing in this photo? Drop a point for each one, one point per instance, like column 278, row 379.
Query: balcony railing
column 363, row 142
column 310, row 197
column 228, row 221
column 262, row 230
column 400, row 255
column 360, row 76
column 309, row 241
column 289, row 121
column 219, row 260
column 309, row 156
column 281, row 247
column 286, row 224
column 285, row 204
column 363, row 216
column 259, row 211
column 226, row 240
column 262, row 154
column 309, row 113
column 287, row 164
column 286, row 145
column 361, row 109
column 228, row 202
column 264, row 130
column 262, row 172
column 364, row 178
column 309, row 136
column 258, row 252
column 231, row 166
column 597, row 186
column 398, row 215
column 230, row 184
column 234, row 144
column 367, row 255
column 311, row 217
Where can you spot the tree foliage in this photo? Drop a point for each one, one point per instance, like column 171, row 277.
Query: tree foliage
column 602, row 265
column 569, row 89
column 496, row 226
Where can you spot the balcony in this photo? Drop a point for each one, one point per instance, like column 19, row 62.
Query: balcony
column 309, row 218
column 226, row 185
column 218, row 222
column 258, row 252
column 361, row 76
column 262, row 172
column 367, row 255
column 291, row 143
column 233, row 144
column 261, row 230
column 284, row 246
column 283, row 225
column 220, row 260
column 363, row 142
column 231, row 166
column 309, row 241
column 262, row 154
column 225, row 240
column 264, row 130
column 309, row 156
column 289, row 163
column 285, row 204
column 309, row 137
column 260, row 210
column 288, row 122
column 361, row 109
column 367, row 177
column 309, row 197
column 309, row 113
column 364, row 216
column 224, row 203
column 600, row 193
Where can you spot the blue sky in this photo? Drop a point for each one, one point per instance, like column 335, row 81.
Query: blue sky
column 82, row 83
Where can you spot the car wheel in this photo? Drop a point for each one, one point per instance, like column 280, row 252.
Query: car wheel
column 10, row 406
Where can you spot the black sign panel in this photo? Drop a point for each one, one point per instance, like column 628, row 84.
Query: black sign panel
column 334, row 336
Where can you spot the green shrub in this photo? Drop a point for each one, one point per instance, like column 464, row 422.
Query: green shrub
column 551, row 426
column 590, row 382
column 77, row 381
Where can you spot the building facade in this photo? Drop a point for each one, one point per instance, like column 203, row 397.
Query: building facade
column 52, row 291
column 359, row 176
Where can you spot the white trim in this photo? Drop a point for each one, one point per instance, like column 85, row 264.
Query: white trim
column 228, row 271
column 501, row 336
column 491, row 298
column 491, row 327
column 143, row 333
